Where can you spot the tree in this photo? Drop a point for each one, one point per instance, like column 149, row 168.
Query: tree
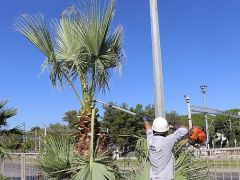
column 57, row 156
column 227, row 126
column 123, row 126
column 6, row 113
column 35, row 128
column 83, row 50
column 173, row 118
column 71, row 118
column 197, row 120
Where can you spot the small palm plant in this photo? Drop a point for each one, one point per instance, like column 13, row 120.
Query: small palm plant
column 58, row 161
column 56, row 156
column 187, row 166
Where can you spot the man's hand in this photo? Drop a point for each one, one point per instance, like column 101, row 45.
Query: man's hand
column 147, row 125
column 171, row 127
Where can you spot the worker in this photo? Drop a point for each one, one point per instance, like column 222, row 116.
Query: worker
column 160, row 146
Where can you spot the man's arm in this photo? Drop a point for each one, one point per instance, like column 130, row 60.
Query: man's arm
column 147, row 125
column 180, row 133
column 183, row 126
column 149, row 131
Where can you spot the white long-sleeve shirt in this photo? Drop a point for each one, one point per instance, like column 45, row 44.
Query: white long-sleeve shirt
column 161, row 153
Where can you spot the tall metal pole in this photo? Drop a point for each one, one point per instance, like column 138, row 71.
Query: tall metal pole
column 157, row 61
column 24, row 132
column 204, row 90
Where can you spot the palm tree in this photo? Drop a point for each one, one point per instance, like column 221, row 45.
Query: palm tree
column 5, row 114
column 84, row 51
column 57, row 156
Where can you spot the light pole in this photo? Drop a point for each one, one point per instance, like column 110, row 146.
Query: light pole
column 189, row 111
column 24, row 132
column 157, row 61
column 203, row 89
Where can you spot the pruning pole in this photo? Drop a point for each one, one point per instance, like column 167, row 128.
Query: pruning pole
column 115, row 107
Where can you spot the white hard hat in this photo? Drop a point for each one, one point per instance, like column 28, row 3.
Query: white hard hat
column 160, row 125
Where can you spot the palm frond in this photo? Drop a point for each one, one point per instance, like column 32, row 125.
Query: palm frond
column 106, row 19
column 141, row 149
column 143, row 171
column 56, row 156
column 3, row 103
column 6, row 112
column 15, row 130
column 105, row 51
column 188, row 166
column 101, row 168
column 83, row 48
column 4, row 177
column 35, row 30
column 111, row 52
column 4, row 152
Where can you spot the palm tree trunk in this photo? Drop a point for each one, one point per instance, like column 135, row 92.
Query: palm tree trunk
column 90, row 137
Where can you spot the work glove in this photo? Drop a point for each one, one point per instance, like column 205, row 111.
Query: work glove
column 144, row 118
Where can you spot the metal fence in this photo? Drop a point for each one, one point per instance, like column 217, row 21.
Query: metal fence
column 21, row 166
column 223, row 163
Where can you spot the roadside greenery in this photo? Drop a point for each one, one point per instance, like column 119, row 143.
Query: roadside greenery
column 119, row 124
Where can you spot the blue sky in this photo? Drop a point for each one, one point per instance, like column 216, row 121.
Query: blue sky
column 200, row 43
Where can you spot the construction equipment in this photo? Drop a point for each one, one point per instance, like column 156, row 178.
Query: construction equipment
column 197, row 136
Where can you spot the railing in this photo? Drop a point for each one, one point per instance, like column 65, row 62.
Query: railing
column 21, row 166
column 223, row 163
